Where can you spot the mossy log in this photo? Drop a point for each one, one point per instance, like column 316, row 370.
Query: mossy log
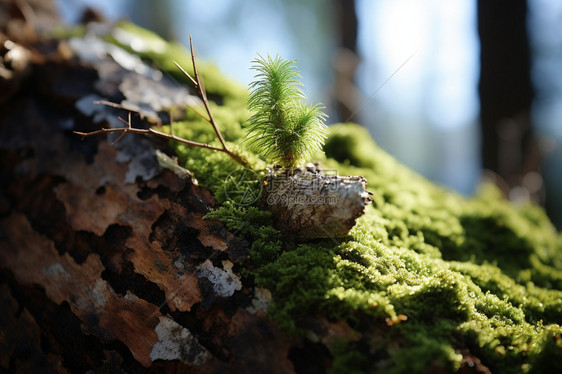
column 107, row 263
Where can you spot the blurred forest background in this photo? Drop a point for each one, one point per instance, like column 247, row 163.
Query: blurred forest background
column 457, row 90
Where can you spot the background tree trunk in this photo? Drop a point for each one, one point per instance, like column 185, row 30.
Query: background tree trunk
column 345, row 59
column 506, row 93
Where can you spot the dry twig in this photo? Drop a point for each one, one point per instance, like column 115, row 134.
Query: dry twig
column 202, row 94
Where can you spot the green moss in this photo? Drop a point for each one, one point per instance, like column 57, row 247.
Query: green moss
column 477, row 273
column 212, row 168
column 350, row 143
column 347, row 360
column 474, row 274
column 430, row 348
column 65, row 32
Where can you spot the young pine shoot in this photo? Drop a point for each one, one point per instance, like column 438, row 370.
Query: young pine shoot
column 283, row 129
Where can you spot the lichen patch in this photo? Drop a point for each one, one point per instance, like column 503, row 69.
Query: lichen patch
column 177, row 343
column 224, row 281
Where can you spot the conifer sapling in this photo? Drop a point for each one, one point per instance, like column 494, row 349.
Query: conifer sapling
column 283, row 129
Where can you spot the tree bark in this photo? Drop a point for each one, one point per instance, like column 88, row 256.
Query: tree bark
column 106, row 262
column 345, row 60
column 506, row 93
column 308, row 204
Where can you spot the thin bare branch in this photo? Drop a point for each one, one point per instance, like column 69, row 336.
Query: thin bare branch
column 202, row 94
column 118, row 106
column 125, row 122
column 133, row 130
column 171, row 123
column 192, row 107
column 119, row 137
column 185, row 73
column 109, row 103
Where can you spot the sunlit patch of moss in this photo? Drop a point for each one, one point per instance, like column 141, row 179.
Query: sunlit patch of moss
column 212, row 168
column 514, row 347
column 438, row 271
column 350, row 143
column 230, row 120
column 441, row 299
column 419, row 251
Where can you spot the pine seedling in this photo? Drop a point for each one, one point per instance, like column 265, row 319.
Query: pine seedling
column 283, row 129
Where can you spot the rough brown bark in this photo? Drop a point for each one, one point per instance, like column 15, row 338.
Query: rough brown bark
column 106, row 262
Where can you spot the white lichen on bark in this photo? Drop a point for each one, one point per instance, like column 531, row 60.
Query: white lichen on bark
column 175, row 342
column 224, row 281
column 261, row 300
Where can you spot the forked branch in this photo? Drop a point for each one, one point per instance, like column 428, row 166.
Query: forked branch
column 202, row 94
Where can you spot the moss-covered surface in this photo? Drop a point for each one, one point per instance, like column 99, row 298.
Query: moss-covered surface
column 425, row 274
column 474, row 273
